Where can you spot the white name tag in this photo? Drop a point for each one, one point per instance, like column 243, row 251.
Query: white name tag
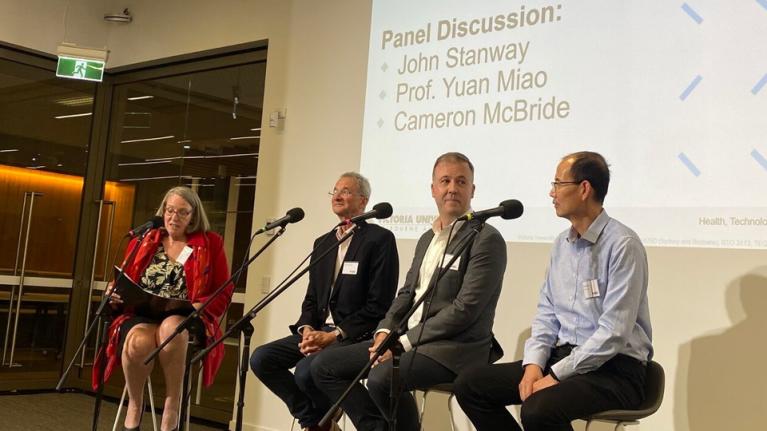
column 184, row 255
column 591, row 289
column 448, row 258
column 350, row 268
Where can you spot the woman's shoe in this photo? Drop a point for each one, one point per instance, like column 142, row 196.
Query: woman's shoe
column 140, row 418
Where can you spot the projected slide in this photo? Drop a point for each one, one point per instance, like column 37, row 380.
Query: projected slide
column 673, row 94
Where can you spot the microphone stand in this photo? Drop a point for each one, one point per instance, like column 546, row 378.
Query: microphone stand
column 245, row 325
column 181, row 327
column 194, row 316
column 391, row 342
column 105, row 318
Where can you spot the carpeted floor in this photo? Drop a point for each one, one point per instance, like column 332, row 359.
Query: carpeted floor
column 68, row 411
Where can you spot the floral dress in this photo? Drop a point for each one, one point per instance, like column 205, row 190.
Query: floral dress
column 164, row 277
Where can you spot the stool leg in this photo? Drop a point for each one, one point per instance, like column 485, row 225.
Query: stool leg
column 450, row 410
column 120, row 407
column 423, row 408
column 151, row 403
column 188, row 396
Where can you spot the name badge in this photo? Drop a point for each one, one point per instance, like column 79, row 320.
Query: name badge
column 350, row 268
column 591, row 289
column 184, row 255
column 455, row 265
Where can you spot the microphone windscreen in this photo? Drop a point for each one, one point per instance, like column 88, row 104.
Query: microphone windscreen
column 295, row 214
column 383, row 210
column 157, row 221
column 512, row 209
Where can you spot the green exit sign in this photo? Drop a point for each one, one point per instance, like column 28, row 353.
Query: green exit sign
column 80, row 68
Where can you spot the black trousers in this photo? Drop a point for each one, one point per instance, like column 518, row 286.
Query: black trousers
column 484, row 393
column 334, row 371
column 272, row 362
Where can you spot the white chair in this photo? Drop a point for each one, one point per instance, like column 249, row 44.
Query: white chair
column 444, row 388
column 122, row 402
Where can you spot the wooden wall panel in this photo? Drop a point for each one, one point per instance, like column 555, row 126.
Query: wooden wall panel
column 55, row 218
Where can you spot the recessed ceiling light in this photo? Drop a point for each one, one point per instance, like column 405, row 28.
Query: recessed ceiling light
column 223, row 156
column 158, row 138
column 142, row 163
column 84, row 114
column 158, row 178
column 75, row 101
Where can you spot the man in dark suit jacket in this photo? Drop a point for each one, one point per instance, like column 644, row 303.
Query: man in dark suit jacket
column 450, row 331
column 348, row 293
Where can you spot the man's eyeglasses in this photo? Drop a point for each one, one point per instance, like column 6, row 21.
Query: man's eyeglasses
column 343, row 192
column 182, row 212
column 557, row 184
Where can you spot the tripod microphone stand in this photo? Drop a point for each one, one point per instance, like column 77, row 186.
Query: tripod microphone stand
column 194, row 317
column 245, row 325
column 103, row 317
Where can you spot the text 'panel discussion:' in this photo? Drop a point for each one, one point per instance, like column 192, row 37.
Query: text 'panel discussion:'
column 383, row 215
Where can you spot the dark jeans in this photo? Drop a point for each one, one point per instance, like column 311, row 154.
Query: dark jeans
column 484, row 393
column 272, row 362
column 334, row 371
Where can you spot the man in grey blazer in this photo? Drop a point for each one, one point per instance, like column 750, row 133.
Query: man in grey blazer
column 452, row 330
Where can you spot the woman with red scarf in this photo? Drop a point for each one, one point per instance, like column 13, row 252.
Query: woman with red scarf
column 181, row 261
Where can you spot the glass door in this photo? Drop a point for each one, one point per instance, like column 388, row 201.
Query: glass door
column 45, row 125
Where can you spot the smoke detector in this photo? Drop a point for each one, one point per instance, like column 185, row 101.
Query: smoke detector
column 124, row 17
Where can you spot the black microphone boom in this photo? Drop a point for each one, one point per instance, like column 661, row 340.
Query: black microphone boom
column 292, row 216
column 508, row 209
column 154, row 223
column 380, row 210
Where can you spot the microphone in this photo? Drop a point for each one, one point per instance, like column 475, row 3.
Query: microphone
column 380, row 211
column 508, row 209
column 153, row 223
column 292, row 216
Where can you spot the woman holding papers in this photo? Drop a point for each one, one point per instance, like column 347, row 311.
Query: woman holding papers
column 184, row 262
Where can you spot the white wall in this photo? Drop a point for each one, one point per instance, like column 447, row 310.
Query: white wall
column 707, row 305
column 44, row 24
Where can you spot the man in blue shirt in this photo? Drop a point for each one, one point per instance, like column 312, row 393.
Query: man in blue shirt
column 591, row 336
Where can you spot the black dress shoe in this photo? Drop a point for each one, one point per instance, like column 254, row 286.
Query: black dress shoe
column 138, row 428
